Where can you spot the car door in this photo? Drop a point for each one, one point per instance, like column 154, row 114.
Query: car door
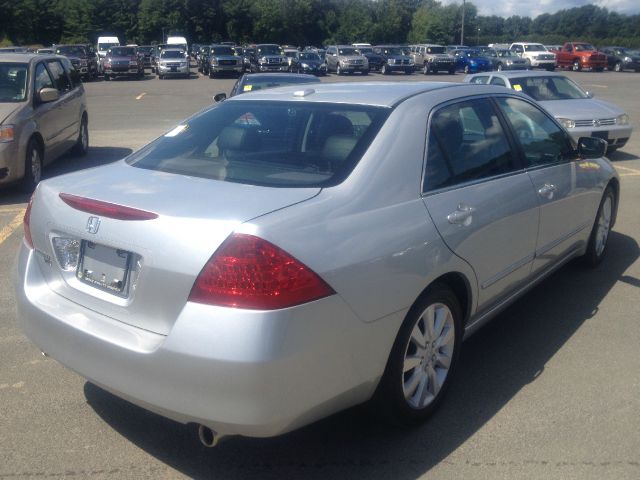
column 67, row 108
column 561, row 182
column 46, row 115
column 478, row 196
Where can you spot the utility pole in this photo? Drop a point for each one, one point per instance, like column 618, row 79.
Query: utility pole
column 462, row 30
column 478, row 37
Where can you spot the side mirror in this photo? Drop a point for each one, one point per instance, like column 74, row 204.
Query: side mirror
column 46, row 95
column 591, row 147
column 219, row 97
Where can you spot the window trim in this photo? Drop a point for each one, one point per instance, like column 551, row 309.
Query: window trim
column 516, row 158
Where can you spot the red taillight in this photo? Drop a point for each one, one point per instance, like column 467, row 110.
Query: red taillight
column 105, row 209
column 26, row 225
column 249, row 272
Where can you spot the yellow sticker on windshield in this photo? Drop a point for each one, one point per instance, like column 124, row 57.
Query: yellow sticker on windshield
column 247, row 88
column 517, row 88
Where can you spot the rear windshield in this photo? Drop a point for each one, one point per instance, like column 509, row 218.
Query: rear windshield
column 436, row 50
column 279, row 144
column 13, row 82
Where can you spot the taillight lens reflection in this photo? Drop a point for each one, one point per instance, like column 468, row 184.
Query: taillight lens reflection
column 249, row 272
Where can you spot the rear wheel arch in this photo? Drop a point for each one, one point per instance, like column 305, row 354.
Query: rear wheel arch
column 615, row 186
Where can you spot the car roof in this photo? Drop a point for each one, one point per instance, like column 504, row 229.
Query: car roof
column 385, row 94
column 24, row 57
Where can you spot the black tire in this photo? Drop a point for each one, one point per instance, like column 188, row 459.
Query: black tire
column 106, row 77
column 365, row 72
column 597, row 247
column 389, row 400
column 452, row 71
column 81, row 147
column 212, row 74
column 32, row 166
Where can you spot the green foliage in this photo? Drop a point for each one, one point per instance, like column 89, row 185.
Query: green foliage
column 301, row 22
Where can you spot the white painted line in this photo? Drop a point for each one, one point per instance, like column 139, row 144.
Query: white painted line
column 595, row 85
column 632, row 170
column 139, row 97
column 9, row 229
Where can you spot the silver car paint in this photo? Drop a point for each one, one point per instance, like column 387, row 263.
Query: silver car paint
column 371, row 238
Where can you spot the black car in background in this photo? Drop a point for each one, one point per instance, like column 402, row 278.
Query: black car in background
column 82, row 57
column 309, row 62
column 375, row 59
column 620, row 59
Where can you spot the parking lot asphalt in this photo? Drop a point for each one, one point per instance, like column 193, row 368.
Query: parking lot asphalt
column 549, row 389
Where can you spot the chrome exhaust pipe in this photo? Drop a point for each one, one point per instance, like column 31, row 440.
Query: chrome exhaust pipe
column 208, row 437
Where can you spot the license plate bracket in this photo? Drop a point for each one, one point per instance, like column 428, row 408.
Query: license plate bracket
column 104, row 268
column 602, row 135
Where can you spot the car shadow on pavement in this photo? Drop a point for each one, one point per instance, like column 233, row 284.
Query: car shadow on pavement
column 95, row 157
column 618, row 156
column 495, row 364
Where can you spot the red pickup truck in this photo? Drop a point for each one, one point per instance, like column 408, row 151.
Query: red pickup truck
column 580, row 55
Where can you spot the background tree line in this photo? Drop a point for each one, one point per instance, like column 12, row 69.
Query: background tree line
column 300, row 22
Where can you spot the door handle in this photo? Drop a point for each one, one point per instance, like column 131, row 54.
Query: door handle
column 463, row 215
column 547, row 191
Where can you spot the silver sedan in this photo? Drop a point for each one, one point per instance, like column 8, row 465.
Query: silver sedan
column 285, row 254
column 577, row 110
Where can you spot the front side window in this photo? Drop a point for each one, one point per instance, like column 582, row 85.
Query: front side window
column 466, row 143
column 60, row 79
column 43, row 79
column 279, row 144
column 542, row 140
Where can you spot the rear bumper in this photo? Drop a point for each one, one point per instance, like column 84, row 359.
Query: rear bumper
column 239, row 372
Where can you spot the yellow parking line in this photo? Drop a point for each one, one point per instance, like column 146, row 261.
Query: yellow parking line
column 630, row 174
column 141, row 95
column 4, row 210
column 9, row 229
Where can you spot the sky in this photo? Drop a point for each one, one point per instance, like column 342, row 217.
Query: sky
column 533, row 8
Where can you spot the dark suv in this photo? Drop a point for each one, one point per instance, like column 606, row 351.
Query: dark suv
column 396, row 59
column 268, row 57
column 123, row 62
column 82, row 57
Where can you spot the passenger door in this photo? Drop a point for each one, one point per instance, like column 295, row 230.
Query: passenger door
column 560, row 182
column 478, row 196
column 67, row 116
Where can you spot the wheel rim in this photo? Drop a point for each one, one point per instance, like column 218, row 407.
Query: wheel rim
column 604, row 226
column 36, row 165
column 428, row 355
column 576, row 66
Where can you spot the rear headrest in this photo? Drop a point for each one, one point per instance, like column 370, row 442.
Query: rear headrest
column 450, row 132
column 337, row 148
column 238, row 138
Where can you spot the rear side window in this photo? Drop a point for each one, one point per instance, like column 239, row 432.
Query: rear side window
column 482, row 79
column 60, row 79
column 278, row 144
column 466, row 143
column 498, row 81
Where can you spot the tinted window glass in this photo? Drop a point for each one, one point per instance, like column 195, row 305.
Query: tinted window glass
column 468, row 143
column 548, row 88
column 542, row 140
column 43, row 79
column 498, row 81
column 60, row 79
column 282, row 144
column 482, row 79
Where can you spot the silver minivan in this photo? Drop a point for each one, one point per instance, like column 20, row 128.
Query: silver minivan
column 43, row 114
